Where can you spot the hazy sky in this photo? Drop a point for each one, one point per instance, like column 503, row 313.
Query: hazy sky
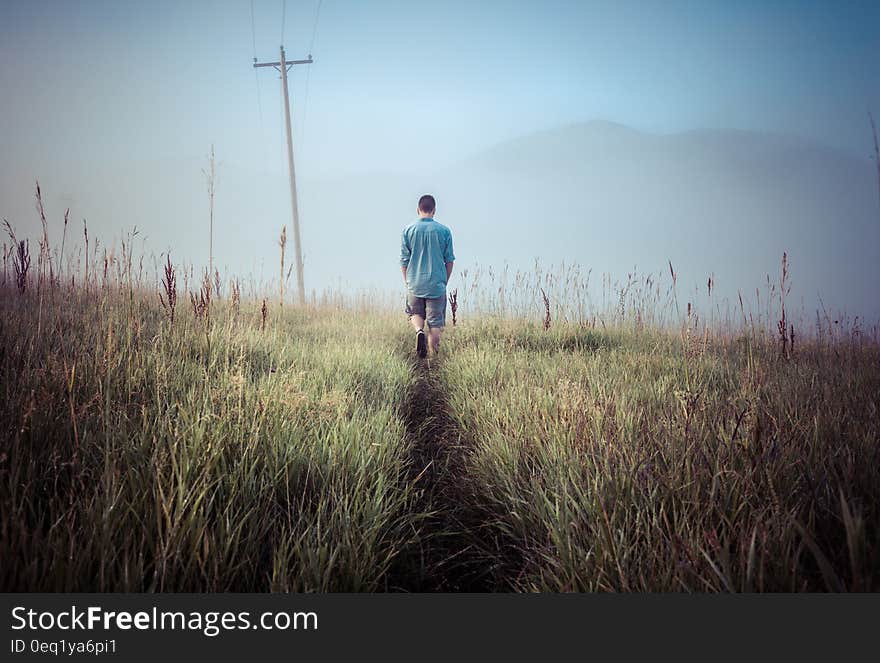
column 111, row 79
column 404, row 87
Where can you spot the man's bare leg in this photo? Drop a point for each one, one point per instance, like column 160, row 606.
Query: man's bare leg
column 434, row 338
column 418, row 322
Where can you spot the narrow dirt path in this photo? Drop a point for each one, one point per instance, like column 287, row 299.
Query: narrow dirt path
column 448, row 555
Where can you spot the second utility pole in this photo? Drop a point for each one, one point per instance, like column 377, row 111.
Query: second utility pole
column 282, row 66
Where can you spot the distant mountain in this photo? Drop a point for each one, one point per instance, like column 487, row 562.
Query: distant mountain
column 712, row 201
column 561, row 148
column 612, row 142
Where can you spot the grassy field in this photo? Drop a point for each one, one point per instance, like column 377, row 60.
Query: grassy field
column 640, row 462
column 248, row 447
column 141, row 457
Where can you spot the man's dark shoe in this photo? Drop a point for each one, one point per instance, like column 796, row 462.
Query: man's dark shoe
column 421, row 344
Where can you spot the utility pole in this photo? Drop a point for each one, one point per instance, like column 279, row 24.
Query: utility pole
column 209, row 176
column 282, row 65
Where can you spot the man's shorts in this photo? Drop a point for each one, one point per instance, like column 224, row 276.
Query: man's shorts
column 432, row 309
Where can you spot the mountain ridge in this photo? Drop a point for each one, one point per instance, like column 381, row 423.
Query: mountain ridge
column 609, row 138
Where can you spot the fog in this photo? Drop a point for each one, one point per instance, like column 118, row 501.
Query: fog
column 606, row 197
column 614, row 136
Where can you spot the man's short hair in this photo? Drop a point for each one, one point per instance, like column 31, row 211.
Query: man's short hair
column 427, row 204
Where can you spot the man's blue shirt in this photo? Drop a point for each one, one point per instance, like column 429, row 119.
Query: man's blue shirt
column 425, row 248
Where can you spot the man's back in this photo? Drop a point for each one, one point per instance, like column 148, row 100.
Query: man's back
column 426, row 247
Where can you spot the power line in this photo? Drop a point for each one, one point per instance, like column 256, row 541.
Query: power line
column 309, row 74
column 283, row 18
column 253, row 31
column 262, row 127
column 259, row 99
column 302, row 126
column 315, row 27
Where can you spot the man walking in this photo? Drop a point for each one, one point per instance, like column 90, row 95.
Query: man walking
column 426, row 259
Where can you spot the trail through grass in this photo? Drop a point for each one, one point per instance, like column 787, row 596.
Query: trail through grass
column 307, row 451
column 447, row 554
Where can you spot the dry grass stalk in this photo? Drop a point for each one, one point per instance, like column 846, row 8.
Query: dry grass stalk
column 674, row 289
column 546, row 310
column 264, row 312
column 44, row 259
column 86, row 236
column 282, row 242
column 21, row 259
column 63, row 240
column 123, row 266
column 453, row 304
column 187, row 277
column 201, row 302
column 686, row 337
column 784, row 288
column 198, row 305
column 169, row 301
column 235, row 289
column 21, row 262
column 108, row 260
column 206, row 293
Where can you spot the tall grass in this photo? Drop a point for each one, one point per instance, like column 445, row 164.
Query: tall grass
column 634, row 461
column 560, row 442
column 207, row 455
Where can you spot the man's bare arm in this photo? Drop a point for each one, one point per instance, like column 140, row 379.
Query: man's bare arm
column 448, row 271
column 403, row 271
